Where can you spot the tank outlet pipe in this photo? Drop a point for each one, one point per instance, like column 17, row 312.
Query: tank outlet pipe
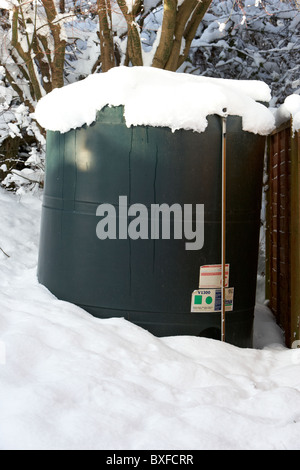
column 223, row 234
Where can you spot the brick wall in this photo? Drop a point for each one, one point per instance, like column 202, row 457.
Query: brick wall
column 282, row 247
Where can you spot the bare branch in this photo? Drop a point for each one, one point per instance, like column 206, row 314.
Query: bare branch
column 105, row 35
column 191, row 28
column 4, row 252
column 189, row 16
column 25, row 56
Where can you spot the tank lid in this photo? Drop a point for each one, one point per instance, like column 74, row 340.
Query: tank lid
column 158, row 98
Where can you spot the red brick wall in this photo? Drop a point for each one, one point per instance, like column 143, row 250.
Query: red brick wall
column 278, row 227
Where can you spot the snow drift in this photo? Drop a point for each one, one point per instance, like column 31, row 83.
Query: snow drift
column 72, row 381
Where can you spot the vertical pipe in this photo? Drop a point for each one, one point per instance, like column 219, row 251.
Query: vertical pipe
column 223, row 235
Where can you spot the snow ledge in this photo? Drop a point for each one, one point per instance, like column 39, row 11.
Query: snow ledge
column 157, row 98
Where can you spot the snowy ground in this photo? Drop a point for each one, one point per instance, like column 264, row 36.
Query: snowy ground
column 70, row 381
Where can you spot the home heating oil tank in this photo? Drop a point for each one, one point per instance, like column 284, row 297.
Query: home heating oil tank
column 150, row 281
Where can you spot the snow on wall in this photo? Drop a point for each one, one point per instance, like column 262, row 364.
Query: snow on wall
column 157, row 97
column 290, row 109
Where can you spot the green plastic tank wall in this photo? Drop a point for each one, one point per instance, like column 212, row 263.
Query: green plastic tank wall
column 150, row 282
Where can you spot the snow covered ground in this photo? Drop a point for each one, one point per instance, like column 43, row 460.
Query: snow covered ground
column 70, row 381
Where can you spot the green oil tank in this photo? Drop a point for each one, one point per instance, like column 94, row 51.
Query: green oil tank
column 150, row 281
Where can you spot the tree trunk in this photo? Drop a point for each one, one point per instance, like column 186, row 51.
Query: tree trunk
column 105, row 35
column 134, row 48
column 184, row 12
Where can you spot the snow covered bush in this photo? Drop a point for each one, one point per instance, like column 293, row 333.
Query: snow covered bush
column 22, row 144
column 255, row 39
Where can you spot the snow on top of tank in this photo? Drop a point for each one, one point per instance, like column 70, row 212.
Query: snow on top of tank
column 157, row 97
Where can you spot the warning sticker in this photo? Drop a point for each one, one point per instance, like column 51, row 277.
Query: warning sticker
column 211, row 276
column 210, row 300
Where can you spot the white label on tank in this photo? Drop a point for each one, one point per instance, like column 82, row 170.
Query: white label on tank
column 211, row 276
column 210, row 300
